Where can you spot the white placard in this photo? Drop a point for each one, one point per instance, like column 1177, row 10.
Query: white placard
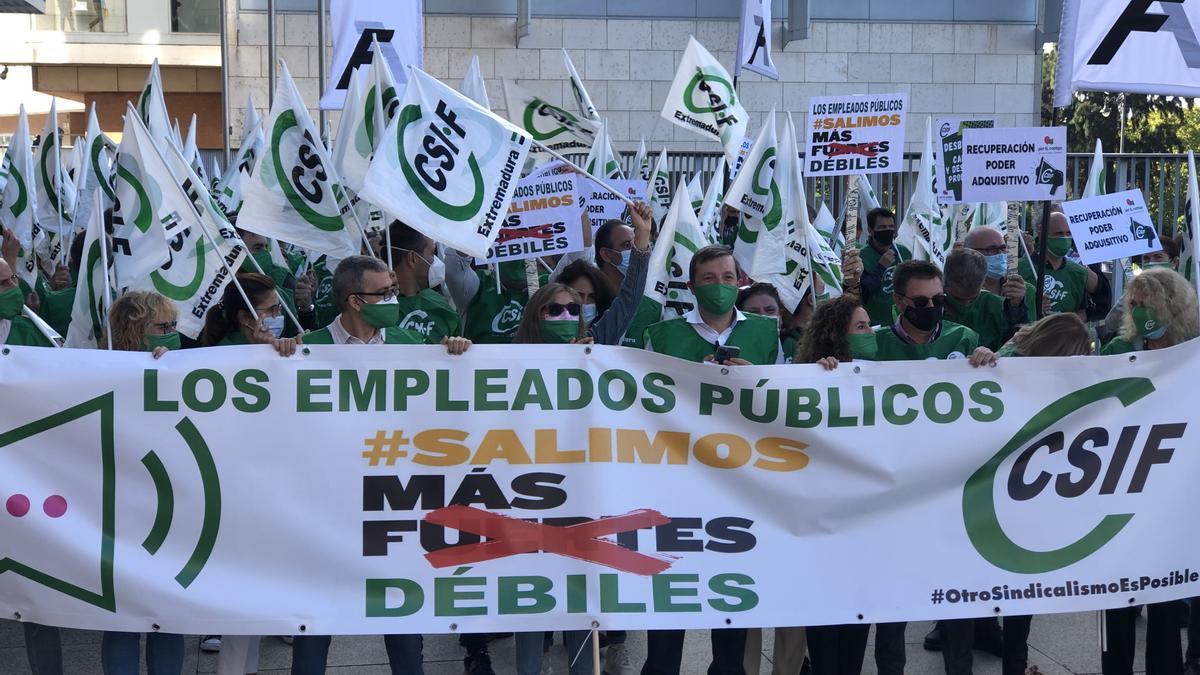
column 543, row 219
column 1108, row 227
column 855, row 134
column 603, row 205
column 949, row 142
column 1014, row 164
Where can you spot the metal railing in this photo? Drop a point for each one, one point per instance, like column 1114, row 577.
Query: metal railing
column 1161, row 178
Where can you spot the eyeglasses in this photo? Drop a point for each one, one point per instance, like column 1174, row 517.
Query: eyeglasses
column 274, row 310
column 556, row 309
column 164, row 327
column 384, row 295
column 920, row 301
column 992, row 250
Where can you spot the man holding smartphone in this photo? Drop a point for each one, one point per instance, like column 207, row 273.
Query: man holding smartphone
column 714, row 331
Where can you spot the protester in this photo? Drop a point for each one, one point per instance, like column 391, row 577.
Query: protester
column 366, row 321
column 1159, row 308
column 990, row 243
column 231, row 323
column 919, row 331
column 1062, row 334
column 840, row 331
column 554, row 315
column 57, row 298
column 418, row 273
column 142, row 321
column 1167, row 258
column 296, row 292
column 1067, row 282
column 992, row 317
column 704, row 335
column 879, row 254
column 763, row 299
column 16, row 329
column 614, row 252
column 610, row 320
column 493, row 300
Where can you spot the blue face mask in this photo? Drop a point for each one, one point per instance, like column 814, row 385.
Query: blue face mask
column 626, row 255
column 997, row 265
column 589, row 313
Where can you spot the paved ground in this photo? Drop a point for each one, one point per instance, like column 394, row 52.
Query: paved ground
column 1059, row 645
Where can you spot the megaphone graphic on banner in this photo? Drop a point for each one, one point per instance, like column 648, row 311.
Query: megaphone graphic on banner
column 1046, row 174
column 60, row 505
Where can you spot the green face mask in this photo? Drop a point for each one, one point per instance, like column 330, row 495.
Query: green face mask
column 1146, row 323
column 716, row 298
column 263, row 258
column 513, row 273
column 559, row 332
column 11, row 302
column 863, row 346
column 168, row 340
column 382, row 314
column 1059, row 247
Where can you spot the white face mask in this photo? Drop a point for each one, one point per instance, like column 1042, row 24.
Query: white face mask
column 274, row 324
column 437, row 272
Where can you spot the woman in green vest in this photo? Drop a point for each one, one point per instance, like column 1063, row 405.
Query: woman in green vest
column 230, row 322
column 554, row 315
column 142, row 321
column 763, row 299
column 1062, row 334
column 1160, row 311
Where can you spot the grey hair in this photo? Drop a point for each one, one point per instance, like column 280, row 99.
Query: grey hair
column 965, row 268
column 348, row 277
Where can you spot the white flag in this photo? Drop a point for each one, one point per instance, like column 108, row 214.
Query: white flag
column 667, row 277
column 229, row 189
column 825, row 262
column 641, row 163
column 710, row 210
column 695, row 192
column 191, row 154
column 447, row 166
column 1189, row 261
column 20, row 198
column 55, row 190
column 214, row 175
column 586, row 109
column 153, row 108
column 796, row 278
column 702, row 98
column 1095, row 179
column 601, row 160
column 353, row 149
column 399, row 26
column 473, row 86
column 754, row 39
column 294, row 193
column 195, row 275
column 658, row 190
column 547, row 123
column 93, row 291
column 923, row 218
column 759, row 194
column 150, row 208
column 94, row 174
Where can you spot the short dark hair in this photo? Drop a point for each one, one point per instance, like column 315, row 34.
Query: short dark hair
column 406, row 238
column 710, row 252
column 758, row 288
column 913, row 269
column 579, row 269
column 876, row 213
column 348, row 277
column 604, row 236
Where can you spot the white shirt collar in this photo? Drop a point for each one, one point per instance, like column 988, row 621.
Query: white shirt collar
column 707, row 332
column 341, row 337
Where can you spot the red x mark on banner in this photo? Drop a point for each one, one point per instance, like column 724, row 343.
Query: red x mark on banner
column 511, row 536
column 864, row 149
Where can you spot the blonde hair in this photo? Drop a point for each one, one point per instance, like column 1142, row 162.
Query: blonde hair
column 1170, row 297
column 1062, row 334
column 132, row 314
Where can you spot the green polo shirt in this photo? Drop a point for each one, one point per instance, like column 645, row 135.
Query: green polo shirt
column 23, row 333
column 985, row 316
column 953, row 342
column 429, row 314
column 1067, row 287
column 879, row 303
column 493, row 317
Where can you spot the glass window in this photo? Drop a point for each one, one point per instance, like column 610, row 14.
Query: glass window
column 83, row 16
column 195, row 16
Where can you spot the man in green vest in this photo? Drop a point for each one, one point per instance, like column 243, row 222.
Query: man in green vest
column 993, row 317
column 493, row 309
column 1067, row 282
column 879, row 255
column 920, row 333
column 705, row 334
column 715, row 322
column 366, row 295
column 15, row 329
column 418, row 272
column 991, row 245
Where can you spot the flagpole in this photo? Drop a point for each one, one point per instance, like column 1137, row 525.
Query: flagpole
column 62, row 235
column 579, row 169
column 233, row 275
column 1041, row 260
column 279, row 295
column 322, row 114
column 271, row 54
column 225, row 81
column 103, row 242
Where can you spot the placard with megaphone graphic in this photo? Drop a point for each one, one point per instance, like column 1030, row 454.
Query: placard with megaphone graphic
column 62, row 506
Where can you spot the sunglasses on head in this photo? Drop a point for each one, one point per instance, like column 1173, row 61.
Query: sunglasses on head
column 555, row 309
column 921, row 301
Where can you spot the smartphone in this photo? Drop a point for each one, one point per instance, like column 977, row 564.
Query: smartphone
column 726, row 352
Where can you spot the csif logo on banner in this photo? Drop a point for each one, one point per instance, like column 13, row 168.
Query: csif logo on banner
column 1136, row 17
column 302, row 175
column 566, row 123
column 1102, row 463
column 437, row 160
column 716, row 94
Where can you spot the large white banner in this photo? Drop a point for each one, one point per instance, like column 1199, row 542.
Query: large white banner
column 398, row 26
column 1137, row 46
column 350, row 489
